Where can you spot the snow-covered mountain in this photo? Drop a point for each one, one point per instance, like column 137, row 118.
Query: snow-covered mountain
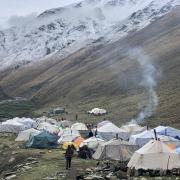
column 67, row 29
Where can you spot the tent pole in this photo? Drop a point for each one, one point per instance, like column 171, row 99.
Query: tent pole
column 155, row 134
column 168, row 162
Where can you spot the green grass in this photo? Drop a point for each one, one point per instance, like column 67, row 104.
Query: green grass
column 50, row 162
column 16, row 109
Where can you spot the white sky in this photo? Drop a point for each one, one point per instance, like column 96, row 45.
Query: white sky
column 10, row 8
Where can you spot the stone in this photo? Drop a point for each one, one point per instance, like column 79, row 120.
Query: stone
column 109, row 175
column 93, row 177
column 12, row 159
column 50, row 178
column 121, row 175
column 42, row 152
column 34, row 162
column 31, row 159
column 27, row 164
column 14, row 152
column 11, row 177
column 19, row 165
column 27, row 167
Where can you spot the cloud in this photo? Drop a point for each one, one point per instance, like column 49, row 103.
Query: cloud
column 21, row 20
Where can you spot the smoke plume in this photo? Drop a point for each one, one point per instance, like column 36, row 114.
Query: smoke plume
column 149, row 76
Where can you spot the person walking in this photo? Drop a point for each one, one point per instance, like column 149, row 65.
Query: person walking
column 90, row 134
column 68, row 156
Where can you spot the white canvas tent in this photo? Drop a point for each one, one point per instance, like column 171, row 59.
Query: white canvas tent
column 66, row 123
column 168, row 131
column 97, row 111
column 115, row 149
column 103, row 123
column 144, row 137
column 67, row 138
column 45, row 119
column 68, row 135
column 25, row 123
column 79, row 127
column 24, row 135
column 28, row 122
column 11, row 128
column 49, row 127
column 133, row 129
column 92, row 142
column 110, row 130
column 155, row 155
column 69, row 131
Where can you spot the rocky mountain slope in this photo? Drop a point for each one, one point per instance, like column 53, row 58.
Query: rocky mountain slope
column 105, row 75
column 66, row 30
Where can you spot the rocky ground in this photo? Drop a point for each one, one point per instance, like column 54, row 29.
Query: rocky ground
column 19, row 163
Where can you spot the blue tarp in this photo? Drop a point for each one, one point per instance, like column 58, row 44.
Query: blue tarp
column 43, row 140
column 168, row 131
column 178, row 150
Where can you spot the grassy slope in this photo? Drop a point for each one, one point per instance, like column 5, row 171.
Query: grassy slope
column 103, row 76
column 49, row 162
column 16, row 109
column 3, row 95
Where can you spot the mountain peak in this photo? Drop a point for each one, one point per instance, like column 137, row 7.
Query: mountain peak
column 66, row 29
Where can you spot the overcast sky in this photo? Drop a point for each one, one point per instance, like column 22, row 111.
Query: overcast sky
column 9, row 8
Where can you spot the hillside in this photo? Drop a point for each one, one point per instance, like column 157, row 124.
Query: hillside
column 3, row 95
column 104, row 75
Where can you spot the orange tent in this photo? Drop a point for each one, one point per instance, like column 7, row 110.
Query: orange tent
column 172, row 146
column 78, row 141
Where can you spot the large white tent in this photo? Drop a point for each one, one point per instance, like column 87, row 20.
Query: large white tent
column 25, row 123
column 11, row 128
column 144, row 137
column 45, row 119
column 24, row 135
column 168, row 131
column 79, row 127
column 110, row 130
column 97, row 111
column 115, row 149
column 133, row 129
column 103, row 123
column 155, row 155
column 48, row 127
column 92, row 142
column 68, row 135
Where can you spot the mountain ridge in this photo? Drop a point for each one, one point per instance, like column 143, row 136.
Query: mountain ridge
column 68, row 29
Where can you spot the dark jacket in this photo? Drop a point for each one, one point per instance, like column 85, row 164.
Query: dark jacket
column 69, row 153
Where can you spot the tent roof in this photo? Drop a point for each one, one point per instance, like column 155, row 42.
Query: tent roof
column 110, row 127
column 116, row 142
column 169, row 131
column 24, row 135
column 155, row 155
column 154, row 146
column 132, row 128
column 79, row 126
column 103, row 123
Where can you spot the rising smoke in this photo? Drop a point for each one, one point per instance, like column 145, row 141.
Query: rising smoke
column 149, row 76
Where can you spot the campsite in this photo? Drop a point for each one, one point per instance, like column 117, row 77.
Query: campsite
column 34, row 148
column 89, row 89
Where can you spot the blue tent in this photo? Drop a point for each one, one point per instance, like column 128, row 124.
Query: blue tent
column 43, row 140
column 178, row 150
column 168, row 131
